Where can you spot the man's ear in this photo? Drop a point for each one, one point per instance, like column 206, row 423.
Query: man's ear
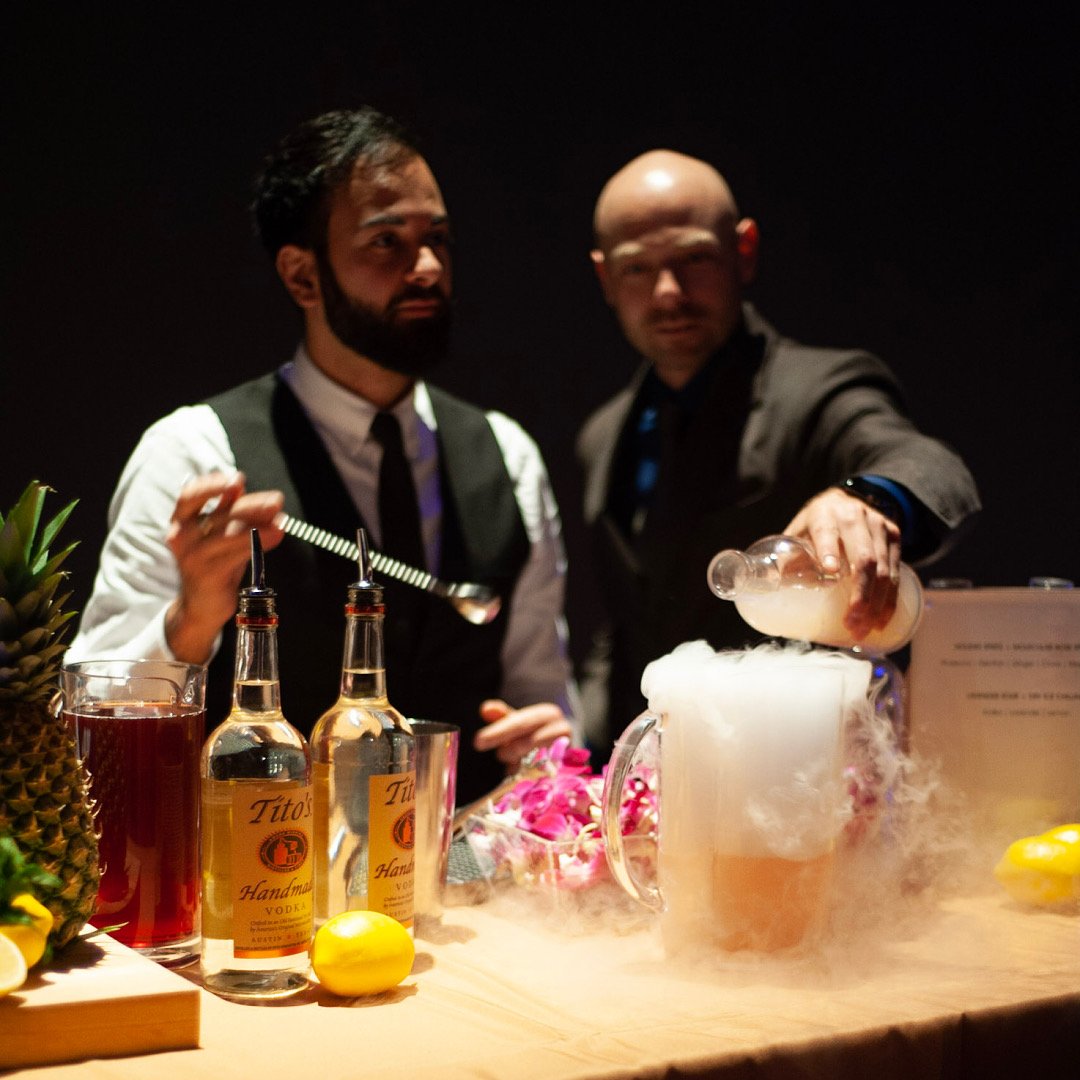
column 600, row 267
column 747, row 239
column 299, row 274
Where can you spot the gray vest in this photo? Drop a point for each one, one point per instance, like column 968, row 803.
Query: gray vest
column 439, row 667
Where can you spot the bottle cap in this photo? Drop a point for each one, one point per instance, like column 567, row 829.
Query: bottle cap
column 365, row 597
column 257, row 600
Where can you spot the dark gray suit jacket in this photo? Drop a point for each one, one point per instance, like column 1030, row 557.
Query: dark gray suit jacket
column 780, row 423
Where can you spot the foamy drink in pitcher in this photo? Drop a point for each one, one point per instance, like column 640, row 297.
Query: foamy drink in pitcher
column 752, row 797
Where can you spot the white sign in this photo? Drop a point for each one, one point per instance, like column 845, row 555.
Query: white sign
column 995, row 697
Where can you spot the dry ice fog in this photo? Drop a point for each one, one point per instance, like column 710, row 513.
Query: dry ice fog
column 795, row 825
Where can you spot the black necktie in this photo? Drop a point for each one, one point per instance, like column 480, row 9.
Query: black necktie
column 399, row 515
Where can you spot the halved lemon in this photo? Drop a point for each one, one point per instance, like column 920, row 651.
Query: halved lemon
column 30, row 939
column 12, row 966
column 361, row 952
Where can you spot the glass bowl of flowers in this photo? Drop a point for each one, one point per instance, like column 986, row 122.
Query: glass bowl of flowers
column 545, row 830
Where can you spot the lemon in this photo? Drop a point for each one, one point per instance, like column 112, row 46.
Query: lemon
column 29, row 939
column 12, row 966
column 1044, row 869
column 1067, row 834
column 361, row 952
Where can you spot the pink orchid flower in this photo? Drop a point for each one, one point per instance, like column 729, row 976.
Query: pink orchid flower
column 564, row 807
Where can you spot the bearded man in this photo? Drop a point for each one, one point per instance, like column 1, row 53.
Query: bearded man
column 356, row 225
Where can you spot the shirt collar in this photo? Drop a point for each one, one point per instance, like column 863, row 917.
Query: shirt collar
column 346, row 416
column 690, row 397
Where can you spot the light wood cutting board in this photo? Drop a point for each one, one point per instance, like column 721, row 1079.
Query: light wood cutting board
column 97, row 999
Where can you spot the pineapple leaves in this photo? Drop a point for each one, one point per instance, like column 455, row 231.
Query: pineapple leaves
column 31, row 599
column 48, row 534
column 26, row 514
column 11, row 544
column 47, row 569
column 23, row 552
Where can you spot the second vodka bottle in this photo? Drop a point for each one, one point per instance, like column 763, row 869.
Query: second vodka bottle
column 364, row 764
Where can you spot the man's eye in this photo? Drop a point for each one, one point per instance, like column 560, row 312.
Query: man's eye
column 703, row 257
column 385, row 240
column 437, row 240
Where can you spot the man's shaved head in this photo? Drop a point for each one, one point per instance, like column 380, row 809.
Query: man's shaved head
column 662, row 186
column 673, row 257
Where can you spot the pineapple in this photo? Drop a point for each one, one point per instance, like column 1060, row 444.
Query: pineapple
column 44, row 800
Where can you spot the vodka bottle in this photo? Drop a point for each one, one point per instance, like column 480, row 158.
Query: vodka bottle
column 257, row 806
column 364, row 761
column 780, row 589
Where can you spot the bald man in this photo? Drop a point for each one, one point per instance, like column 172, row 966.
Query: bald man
column 730, row 432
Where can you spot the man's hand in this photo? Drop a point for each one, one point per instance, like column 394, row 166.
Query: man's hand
column 512, row 733
column 840, row 526
column 212, row 549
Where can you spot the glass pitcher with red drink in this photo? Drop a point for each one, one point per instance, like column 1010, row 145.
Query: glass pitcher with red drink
column 139, row 727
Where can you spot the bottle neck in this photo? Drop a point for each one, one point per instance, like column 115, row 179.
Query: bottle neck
column 256, row 685
column 363, row 667
column 768, row 566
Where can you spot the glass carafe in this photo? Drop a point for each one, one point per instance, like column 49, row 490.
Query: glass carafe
column 780, row 589
column 752, row 792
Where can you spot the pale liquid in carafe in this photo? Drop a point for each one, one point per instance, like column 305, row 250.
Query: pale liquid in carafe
column 768, row 903
column 748, row 825
column 816, row 613
column 742, row 901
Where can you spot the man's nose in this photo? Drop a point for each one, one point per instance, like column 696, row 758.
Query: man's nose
column 427, row 269
column 667, row 286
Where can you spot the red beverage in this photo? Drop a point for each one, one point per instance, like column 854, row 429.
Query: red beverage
column 143, row 760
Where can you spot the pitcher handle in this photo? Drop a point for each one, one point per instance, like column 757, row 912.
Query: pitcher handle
column 623, row 757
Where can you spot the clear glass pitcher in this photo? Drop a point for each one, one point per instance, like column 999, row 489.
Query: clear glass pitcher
column 752, row 792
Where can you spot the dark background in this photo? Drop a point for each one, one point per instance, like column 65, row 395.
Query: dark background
column 912, row 176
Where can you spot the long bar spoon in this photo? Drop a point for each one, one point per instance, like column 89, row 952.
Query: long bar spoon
column 475, row 603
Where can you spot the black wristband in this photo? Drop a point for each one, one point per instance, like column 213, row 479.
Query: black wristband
column 876, row 496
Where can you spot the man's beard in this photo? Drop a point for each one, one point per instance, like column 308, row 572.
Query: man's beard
column 411, row 347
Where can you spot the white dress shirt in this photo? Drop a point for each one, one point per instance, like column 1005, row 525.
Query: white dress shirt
column 138, row 577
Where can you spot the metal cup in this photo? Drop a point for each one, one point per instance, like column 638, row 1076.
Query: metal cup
column 436, row 786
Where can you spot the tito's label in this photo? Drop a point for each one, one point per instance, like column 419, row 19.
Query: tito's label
column 271, row 870
column 391, row 838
